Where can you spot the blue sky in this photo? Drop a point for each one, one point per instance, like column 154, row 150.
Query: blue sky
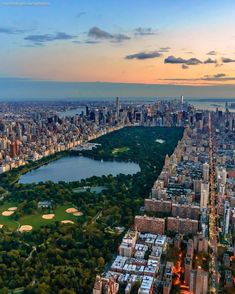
column 154, row 42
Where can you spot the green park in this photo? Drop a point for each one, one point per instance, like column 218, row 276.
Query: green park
column 36, row 219
column 51, row 255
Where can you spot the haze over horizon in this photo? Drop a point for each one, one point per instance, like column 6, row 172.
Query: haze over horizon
column 60, row 49
column 36, row 90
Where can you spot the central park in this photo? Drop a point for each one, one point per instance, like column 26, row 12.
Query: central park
column 55, row 234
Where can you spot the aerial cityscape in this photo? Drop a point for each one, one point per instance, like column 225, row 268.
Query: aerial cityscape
column 117, row 147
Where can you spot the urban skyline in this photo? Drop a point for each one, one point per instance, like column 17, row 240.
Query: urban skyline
column 117, row 147
column 180, row 233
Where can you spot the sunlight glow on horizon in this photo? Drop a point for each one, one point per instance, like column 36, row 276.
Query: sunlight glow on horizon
column 90, row 42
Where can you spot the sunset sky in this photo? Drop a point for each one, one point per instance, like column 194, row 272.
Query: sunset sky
column 169, row 42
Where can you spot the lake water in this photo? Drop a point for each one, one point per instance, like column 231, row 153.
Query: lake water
column 75, row 168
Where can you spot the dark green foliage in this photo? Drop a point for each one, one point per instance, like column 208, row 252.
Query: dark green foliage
column 66, row 258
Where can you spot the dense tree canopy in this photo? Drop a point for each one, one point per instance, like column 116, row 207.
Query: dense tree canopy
column 65, row 258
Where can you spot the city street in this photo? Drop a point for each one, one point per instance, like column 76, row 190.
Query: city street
column 213, row 233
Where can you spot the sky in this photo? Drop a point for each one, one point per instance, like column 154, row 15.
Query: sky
column 57, row 45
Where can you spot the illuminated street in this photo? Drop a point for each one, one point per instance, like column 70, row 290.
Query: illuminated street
column 213, row 234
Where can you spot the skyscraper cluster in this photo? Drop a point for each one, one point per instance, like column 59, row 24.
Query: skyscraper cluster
column 181, row 209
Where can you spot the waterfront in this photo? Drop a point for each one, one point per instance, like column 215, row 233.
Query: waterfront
column 75, row 168
column 200, row 104
column 72, row 112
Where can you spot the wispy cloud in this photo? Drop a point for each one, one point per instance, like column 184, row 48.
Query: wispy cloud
column 220, row 77
column 98, row 34
column 33, row 45
column 140, row 31
column 227, row 60
column 211, row 53
column 144, row 55
column 219, row 61
column 195, row 61
column 164, row 49
column 11, row 31
column 179, row 60
column 92, row 42
column 41, row 39
column 210, row 61
column 216, row 77
column 120, row 37
column 80, row 14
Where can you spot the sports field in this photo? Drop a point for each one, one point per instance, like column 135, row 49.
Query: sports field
column 7, row 220
column 37, row 220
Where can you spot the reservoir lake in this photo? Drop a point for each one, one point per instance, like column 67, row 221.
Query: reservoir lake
column 75, row 168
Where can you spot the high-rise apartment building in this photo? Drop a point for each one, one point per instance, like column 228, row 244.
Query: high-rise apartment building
column 198, row 281
column 205, row 171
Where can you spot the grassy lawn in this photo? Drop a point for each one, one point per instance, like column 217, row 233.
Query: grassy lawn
column 36, row 220
column 115, row 151
column 7, row 220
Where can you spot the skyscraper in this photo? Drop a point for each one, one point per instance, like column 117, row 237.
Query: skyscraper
column 198, row 281
column 117, row 107
column 221, row 175
column 14, row 149
column 226, row 217
column 182, row 99
column 204, row 195
column 205, row 171
column 188, row 268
